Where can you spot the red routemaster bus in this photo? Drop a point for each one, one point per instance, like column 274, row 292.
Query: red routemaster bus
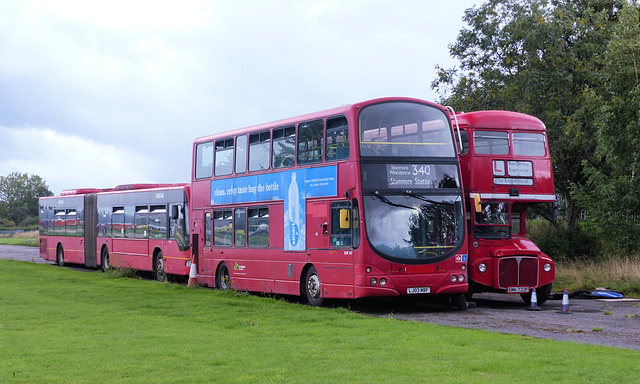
column 358, row 201
column 506, row 167
column 137, row 226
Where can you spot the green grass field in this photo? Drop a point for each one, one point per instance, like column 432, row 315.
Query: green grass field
column 59, row 325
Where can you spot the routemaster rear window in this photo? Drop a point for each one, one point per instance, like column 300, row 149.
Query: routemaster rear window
column 491, row 142
column 528, row 144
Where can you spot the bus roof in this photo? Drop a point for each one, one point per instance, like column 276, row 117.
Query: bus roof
column 80, row 191
column 342, row 110
column 123, row 187
column 499, row 120
column 131, row 187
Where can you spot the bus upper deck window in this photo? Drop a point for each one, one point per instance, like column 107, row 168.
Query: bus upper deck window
column 465, row 140
column 337, row 139
column 241, row 154
column 529, row 144
column 491, row 142
column 284, row 147
column 224, row 157
column 404, row 129
column 310, row 142
column 259, row 151
column 204, row 160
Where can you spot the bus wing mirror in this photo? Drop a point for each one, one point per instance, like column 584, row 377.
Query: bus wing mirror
column 477, row 202
column 175, row 212
column 344, row 219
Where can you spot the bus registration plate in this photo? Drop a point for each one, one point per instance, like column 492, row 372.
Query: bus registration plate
column 411, row 291
column 518, row 290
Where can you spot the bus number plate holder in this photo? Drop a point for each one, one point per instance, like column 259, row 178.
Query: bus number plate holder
column 518, row 290
column 416, row 290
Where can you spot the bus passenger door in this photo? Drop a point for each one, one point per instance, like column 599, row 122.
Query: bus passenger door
column 206, row 266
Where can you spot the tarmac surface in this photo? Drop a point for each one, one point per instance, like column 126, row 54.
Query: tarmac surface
column 607, row 322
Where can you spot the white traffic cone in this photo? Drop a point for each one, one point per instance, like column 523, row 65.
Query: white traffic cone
column 193, row 273
column 565, row 303
column 534, row 301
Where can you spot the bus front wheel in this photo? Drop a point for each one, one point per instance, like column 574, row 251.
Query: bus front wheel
column 60, row 256
column 542, row 295
column 222, row 277
column 312, row 291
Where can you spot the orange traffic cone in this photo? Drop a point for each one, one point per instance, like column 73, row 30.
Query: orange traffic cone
column 193, row 273
column 565, row 303
column 534, row 301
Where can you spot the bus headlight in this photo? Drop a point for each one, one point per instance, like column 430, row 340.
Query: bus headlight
column 461, row 278
column 373, row 281
column 383, row 282
column 547, row 267
column 482, row 267
column 454, row 278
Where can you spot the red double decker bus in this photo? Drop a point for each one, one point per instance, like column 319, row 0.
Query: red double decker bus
column 506, row 167
column 357, row 201
column 137, row 226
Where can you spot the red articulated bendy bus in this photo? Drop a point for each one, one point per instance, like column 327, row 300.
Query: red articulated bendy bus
column 358, row 201
column 137, row 226
column 506, row 167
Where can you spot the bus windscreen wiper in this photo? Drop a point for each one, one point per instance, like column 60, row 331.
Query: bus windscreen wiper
column 425, row 199
column 387, row 201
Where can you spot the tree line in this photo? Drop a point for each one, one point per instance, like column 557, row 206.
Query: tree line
column 575, row 65
column 19, row 194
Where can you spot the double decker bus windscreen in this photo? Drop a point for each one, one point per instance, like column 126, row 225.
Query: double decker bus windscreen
column 404, row 129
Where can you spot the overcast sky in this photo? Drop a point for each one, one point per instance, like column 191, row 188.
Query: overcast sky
column 96, row 94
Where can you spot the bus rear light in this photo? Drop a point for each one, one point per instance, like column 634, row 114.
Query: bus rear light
column 383, row 282
column 373, row 281
column 482, row 267
column 454, row 278
column 547, row 267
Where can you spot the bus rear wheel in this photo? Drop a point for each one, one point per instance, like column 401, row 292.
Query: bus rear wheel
column 104, row 260
column 158, row 269
column 60, row 256
column 222, row 277
column 312, row 291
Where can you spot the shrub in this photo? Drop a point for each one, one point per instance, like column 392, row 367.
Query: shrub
column 561, row 244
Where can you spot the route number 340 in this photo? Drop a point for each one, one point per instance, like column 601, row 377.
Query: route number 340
column 421, row 170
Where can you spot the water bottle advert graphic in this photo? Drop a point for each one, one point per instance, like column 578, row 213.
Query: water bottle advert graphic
column 294, row 213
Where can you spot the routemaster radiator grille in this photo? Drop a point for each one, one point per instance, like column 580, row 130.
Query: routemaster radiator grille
column 518, row 271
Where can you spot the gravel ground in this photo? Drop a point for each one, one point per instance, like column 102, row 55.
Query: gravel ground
column 613, row 323
column 16, row 252
column 504, row 313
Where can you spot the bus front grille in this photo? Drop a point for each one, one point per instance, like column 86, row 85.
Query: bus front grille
column 518, row 271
